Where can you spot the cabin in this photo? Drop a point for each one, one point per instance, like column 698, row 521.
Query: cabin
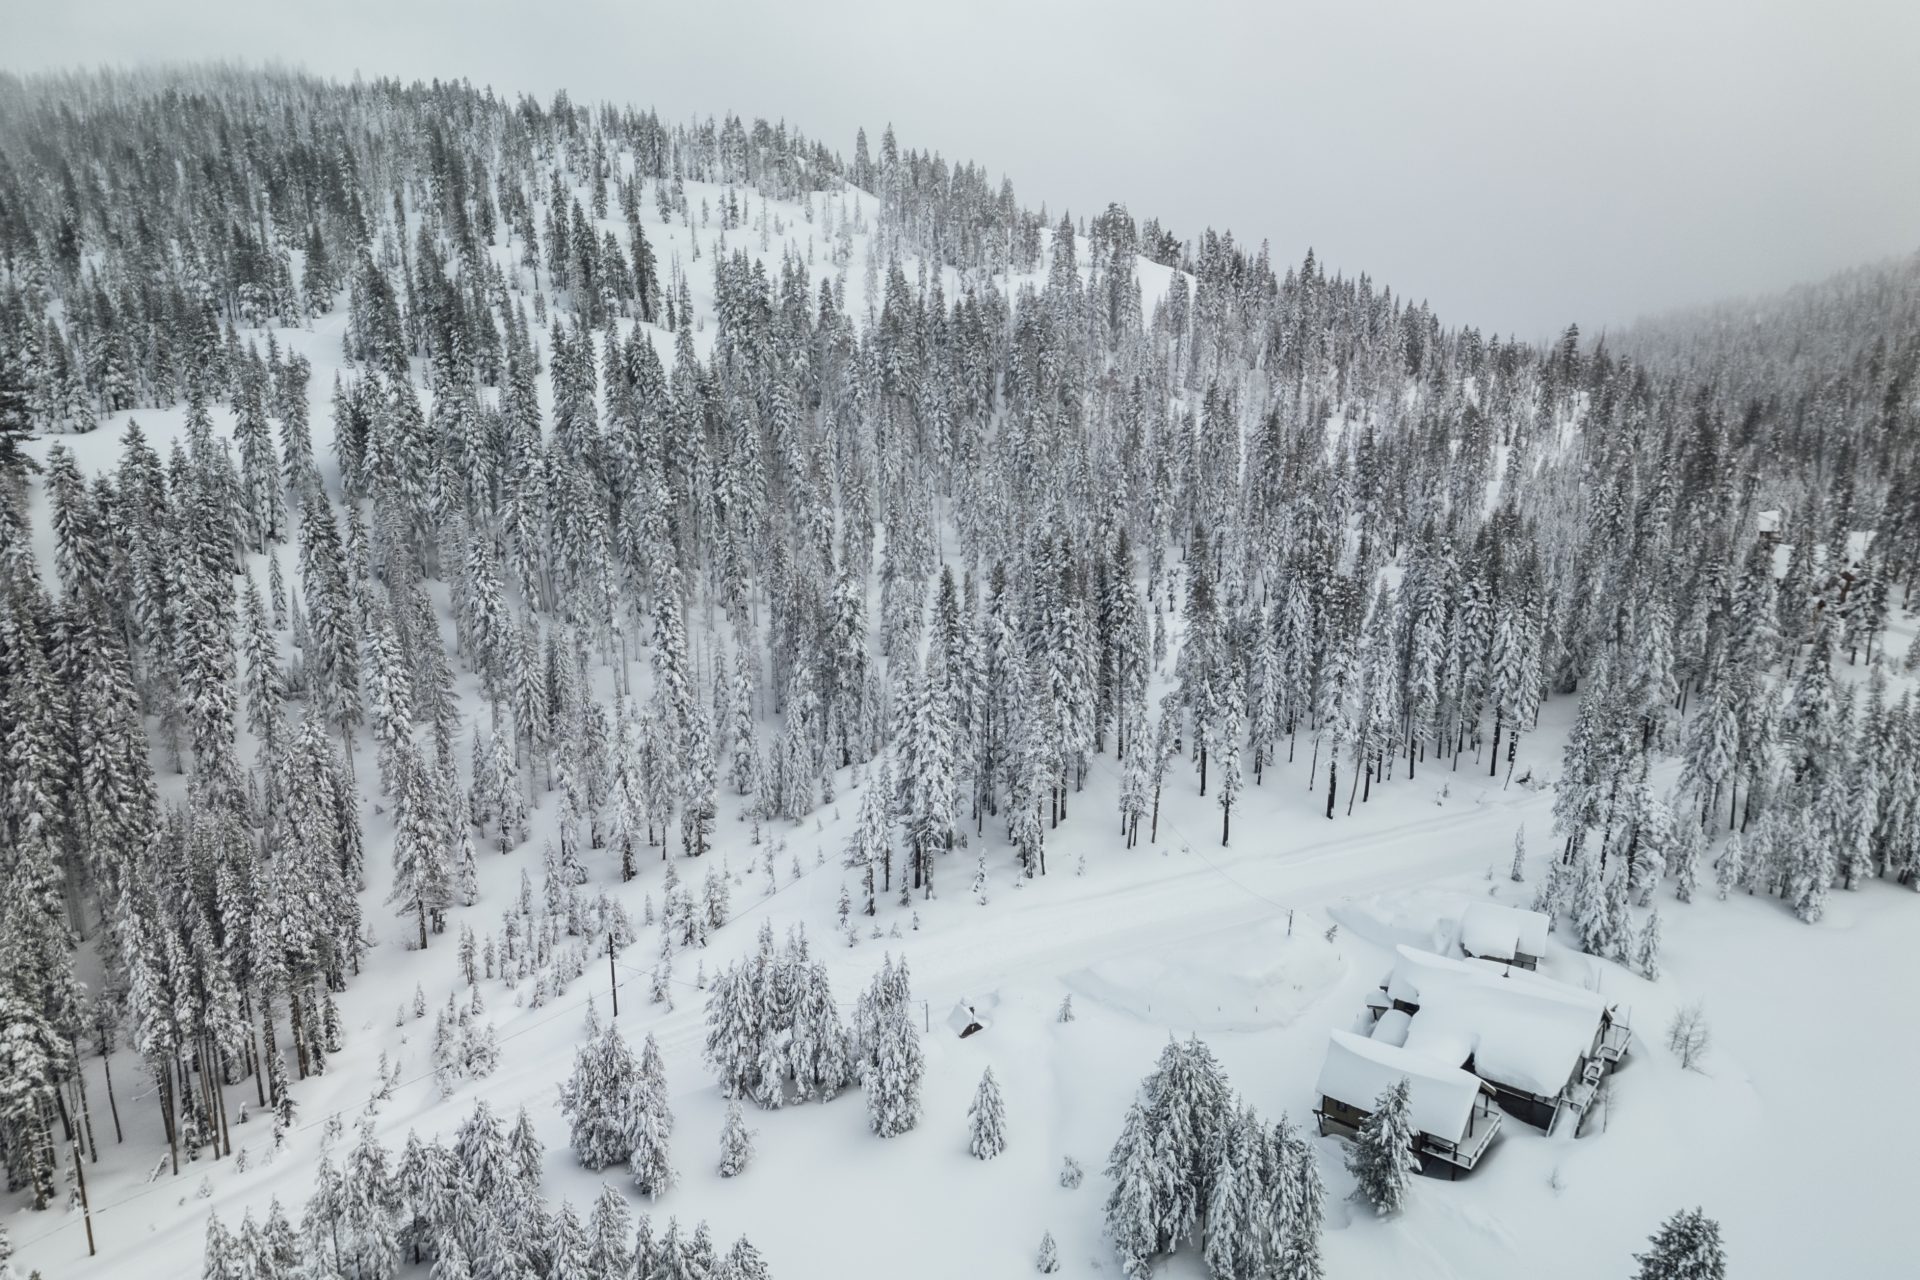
column 1507, row 935
column 1541, row 1046
column 1450, row 1110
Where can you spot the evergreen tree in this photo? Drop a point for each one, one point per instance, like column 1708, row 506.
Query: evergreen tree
column 1047, row 1261
column 1686, row 1247
column 736, row 1142
column 603, row 1099
column 1382, row 1158
column 895, row 1062
column 987, row 1119
column 422, row 878
column 1130, row 1210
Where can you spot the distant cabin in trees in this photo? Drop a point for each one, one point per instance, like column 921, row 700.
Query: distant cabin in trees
column 1506, row 935
column 1451, row 1110
column 1540, row 1045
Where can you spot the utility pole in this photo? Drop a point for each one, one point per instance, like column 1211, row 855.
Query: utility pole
column 613, row 975
column 86, row 1209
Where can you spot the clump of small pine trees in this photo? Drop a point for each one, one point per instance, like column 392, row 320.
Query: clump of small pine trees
column 1194, row 1159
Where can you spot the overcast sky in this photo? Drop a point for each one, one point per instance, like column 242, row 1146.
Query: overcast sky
column 1518, row 163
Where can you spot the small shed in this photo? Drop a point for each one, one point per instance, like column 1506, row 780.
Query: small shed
column 966, row 1020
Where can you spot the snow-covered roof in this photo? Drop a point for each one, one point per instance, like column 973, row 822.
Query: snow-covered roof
column 1489, row 929
column 1392, row 1027
column 1358, row 1070
column 1521, row 1028
column 965, row 1014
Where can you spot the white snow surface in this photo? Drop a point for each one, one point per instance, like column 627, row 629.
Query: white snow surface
column 1160, row 940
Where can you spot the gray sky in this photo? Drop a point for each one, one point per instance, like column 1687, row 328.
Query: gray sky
column 1518, row 163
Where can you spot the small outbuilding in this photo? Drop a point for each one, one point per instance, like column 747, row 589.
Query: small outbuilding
column 966, row 1020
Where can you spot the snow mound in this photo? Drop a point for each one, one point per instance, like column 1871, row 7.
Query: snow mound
column 1419, row 919
column 1247, row 980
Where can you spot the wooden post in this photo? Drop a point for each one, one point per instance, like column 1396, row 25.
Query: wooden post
column 86, row 1110
column 613, row 975
column 86, row 1209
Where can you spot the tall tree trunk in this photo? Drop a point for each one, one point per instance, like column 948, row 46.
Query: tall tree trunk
column 298, row 1025
column 168, row 1117
column 220, row 1097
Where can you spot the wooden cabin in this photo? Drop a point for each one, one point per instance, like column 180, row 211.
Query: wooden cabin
column 1452, row 1117
column 1540, row 1046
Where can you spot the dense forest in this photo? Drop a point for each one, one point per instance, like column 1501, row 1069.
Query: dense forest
column 964, row 496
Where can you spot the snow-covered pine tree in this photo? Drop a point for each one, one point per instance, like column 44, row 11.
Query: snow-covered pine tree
column 1730, row 869
column 1382, row 1158
column 987, row 1119
column 422, row 880
column 602, row 1100
column 736, row 1142
column 1047, row 1260
column 610, row 1253
column 895, row 1062
column 1686, row 1247
column 1647, row 949
column 1131, row 1209
column 1296, row 1210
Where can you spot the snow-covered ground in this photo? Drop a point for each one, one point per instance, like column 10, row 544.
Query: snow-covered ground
column 1793, row 1133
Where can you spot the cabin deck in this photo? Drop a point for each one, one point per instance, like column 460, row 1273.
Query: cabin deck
column 1482, row 1124
column 1614, row 1041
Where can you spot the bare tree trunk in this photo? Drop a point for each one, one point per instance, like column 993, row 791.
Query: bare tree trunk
column 168, row 1116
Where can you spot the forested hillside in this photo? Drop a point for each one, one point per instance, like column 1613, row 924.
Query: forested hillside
column 436, row 521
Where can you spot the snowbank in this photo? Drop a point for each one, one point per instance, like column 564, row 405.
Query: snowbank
column 1250, row 980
